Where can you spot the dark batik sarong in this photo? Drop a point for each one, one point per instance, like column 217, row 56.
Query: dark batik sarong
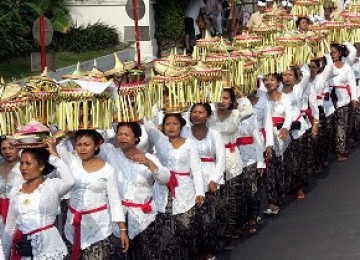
column 342, row 129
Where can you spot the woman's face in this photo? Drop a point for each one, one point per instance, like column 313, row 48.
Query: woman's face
column 172, row 127
column 126, row 138
column 271, row 83
column 85, row 147
column 199, row 115
column 30, row 167
column 225, row 101
column 8, row 151
column 289, row 78
column 303, row 25
column 335, row 54
column 314, row 69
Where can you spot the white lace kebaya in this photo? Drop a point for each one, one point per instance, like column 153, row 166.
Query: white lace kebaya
column 212, row 155
column 184, row 159
column 92, row 190
column 31, row 211
column 135, row 182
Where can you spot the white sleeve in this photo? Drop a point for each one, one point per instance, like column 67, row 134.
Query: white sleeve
column 305, row 70
column 196, row 172
column 162, row 175
column 288, row 114
column 269, row 135
column 63, row 184
column 325, row 74
column 313, row 102
column 244, row 109
column 258, row 145
column 2, row 257
column 117, row 213
column 9, row 231
column 64, row 154
column 217, row 176
column 350, row 59
column 352, row 83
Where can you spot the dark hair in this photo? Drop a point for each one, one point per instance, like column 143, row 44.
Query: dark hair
column 340, row 48
column 2, row 139
column 299, row 20
column 275, row 75
column 41, row 155
column 320, row 63
column 206, row 106
column 135, row 127
column 93, row 134
column 178, row 116
column 232, row 97
column 294, row 69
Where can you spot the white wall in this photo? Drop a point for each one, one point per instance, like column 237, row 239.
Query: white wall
column 113, row 12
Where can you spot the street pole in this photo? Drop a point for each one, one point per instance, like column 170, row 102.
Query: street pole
column 42, row 43
column 137, row 32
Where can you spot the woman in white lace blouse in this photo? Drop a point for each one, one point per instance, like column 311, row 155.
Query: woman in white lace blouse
column 94, row 201
column 137, row 172
column 34, row 206
column 10, row 175
column 186, row 187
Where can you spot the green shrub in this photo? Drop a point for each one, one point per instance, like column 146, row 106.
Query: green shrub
column 87, row 38
column 169, row 22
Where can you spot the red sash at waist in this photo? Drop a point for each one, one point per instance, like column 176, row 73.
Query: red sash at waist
column 173, row 182
column 325, row 96
column 4, row 208
column 244, row 140
column 346, row 87
column 308, row 113
column 77, row 218
column 277, row 120
column 18, row 237
column 207, row 159
column 146, row 207
column 231, row 146
column 263, row 132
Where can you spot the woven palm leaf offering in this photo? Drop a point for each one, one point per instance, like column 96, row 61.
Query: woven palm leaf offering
column 354, row 6
column 84, row 105
column 224, row 47
column 288, row 21
column 31, row 135
column 95, row 74
column 337, row 31
column 295, row 50
column 352, row 31
column 269, row 58
column 43, row 92
column 228, row 63
column 168, row 68
column 306, row 8
column 15, row 107
column 316, row 45
column 119, row 73
column 207, row 83
column 133, row 102
column 267, row 31
column 203, row 45
column 247, row 40
column 173, row 90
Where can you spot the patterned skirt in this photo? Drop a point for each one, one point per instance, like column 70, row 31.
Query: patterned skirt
column 320, row 145
column 100, row 250
column 177, row 234
column 144, row 246
column 355, row 124
column 211, row 219
column 249, row 194
column 342, row 129
column 294, row 161
column 232, row 199
column 275, row 181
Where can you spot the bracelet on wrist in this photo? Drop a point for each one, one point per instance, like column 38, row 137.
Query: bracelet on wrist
column 123, row 229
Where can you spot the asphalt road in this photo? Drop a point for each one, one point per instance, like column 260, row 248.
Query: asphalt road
column 325, row 225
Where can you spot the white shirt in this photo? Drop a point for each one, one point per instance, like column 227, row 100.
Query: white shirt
column 182, row 159
column 193, row 10
column 356, row 68
column 212, row 146
column 344, row 76
column 30, row 211
column 295, row 97
column 261, row 112
column 251, row 153
column 228, row 129
column 135, row 185
column 14, row 178
column 90, row 191
column 280, row 108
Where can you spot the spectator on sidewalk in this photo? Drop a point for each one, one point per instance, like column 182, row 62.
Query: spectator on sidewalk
column 256, row 18
column 194, row 8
